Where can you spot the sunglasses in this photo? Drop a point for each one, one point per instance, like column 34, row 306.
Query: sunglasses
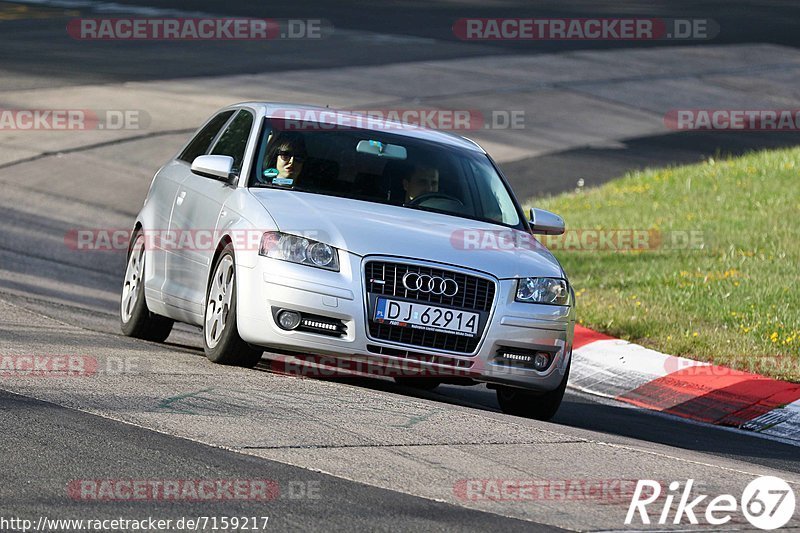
column 287, row 155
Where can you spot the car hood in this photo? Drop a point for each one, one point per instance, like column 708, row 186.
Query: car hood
column 368, row 228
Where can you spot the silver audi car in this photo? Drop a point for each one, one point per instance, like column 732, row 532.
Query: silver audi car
column 322, row 235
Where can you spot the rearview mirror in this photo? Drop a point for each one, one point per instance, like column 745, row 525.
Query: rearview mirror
column 389, row 151
column 218, row 167
column 546, row 223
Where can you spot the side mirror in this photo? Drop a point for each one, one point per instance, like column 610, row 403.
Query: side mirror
column 218, row 167
column 546, row 223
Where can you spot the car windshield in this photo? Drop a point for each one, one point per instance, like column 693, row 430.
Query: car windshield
column 381, row 167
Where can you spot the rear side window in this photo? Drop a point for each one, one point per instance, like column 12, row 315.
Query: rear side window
column 202, row 141
column 234, row 141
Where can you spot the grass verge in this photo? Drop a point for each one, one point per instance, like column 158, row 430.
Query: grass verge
column 716, row 277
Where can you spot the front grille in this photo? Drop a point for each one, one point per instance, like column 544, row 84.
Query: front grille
column 475, row 294
column 421, row 357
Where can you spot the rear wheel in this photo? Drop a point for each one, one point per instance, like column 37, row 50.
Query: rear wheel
column 541, row 406
column 221, row 340
column 135, row 318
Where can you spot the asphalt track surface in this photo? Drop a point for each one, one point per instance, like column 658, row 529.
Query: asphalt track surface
column 49, row 432
column 41, row 46
column 55, row 301
column 36, row 53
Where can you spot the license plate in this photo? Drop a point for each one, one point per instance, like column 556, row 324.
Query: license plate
column 426, row 317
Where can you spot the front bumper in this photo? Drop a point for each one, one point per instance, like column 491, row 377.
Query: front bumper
column 342, row 295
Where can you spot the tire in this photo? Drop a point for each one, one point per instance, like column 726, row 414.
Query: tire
column 540, row 406
column 135, row 319
column 221, row 341
column 418, row 383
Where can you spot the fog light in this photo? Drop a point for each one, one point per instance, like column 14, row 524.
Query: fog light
column 288, row 319
column 541, row 361
column 517, row 357
column 309, row 323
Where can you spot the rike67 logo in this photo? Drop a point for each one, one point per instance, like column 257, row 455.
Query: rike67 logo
column 767, row 503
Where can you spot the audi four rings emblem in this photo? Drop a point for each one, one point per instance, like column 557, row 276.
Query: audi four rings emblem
column 432, row 284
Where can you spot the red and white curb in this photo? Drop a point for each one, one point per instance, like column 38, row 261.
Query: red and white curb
column 703, row 392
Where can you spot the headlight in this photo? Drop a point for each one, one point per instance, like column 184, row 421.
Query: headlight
column 553, row 291
column 300, row 250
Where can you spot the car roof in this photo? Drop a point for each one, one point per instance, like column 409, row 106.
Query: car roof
column 325, row 115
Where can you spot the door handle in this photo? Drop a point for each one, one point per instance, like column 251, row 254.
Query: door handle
column 180, row 198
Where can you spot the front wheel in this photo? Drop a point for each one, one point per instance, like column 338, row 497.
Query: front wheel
column 221, row 341
column 540, row 406
column 135, row 318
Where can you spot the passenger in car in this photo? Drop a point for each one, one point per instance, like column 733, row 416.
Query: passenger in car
column 423, row 180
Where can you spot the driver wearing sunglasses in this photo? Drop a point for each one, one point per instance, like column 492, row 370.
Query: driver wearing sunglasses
column 290, row 163
column 287, row 155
